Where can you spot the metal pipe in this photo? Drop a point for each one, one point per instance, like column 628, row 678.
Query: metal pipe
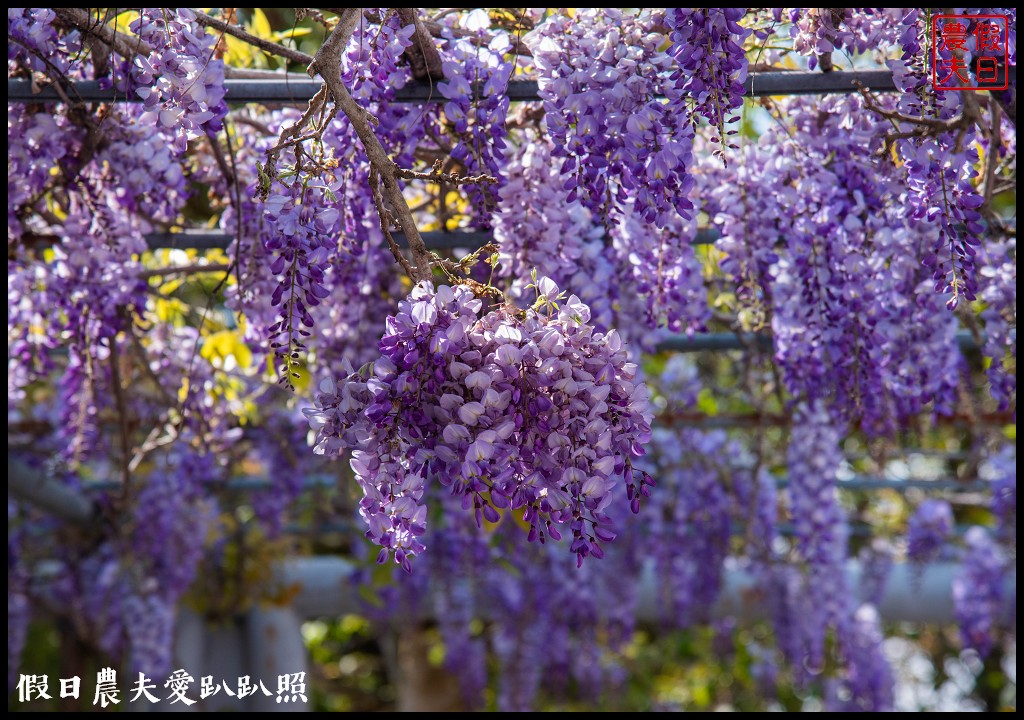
column 326, row 587
column 33, row 486
column 439, row 239
column 732, row 341
column 254, row 482
column 796, row 82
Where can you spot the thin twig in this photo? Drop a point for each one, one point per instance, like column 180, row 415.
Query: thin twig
column 289, row 137
column 237, row 197
column 437, row 175
column 386, row 220
column 266, row 45
column 124, row 45
column 218, row 155
column 328, row 64
column 932, row 124
column 143, row 357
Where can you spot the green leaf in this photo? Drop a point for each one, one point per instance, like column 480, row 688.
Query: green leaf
column 706, row 402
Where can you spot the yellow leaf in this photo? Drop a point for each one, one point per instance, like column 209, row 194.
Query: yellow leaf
column 183, row 390
column 239, row 53
column 121, row 21
column 243, row 355
column 169, row 310
column 303, row 380
column 260, row 24
column 219, row 346
column 293, row 33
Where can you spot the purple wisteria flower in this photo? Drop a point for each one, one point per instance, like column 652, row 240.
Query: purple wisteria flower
column 535, row 412
column 707, row 44
column 928, row 530
column 978, row 594
column 182, row 83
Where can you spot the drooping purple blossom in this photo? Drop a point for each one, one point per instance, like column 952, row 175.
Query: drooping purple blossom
column 538, row 413
column 476, row 78
column 978, row 594
column 928, row 530
column 19, row 610
column 848, row 305
column 600, row 76
column 707, row 44
column 1001, row 472
column 866, row 682
column 876, row 562
column 999, row 293
column 820, row 532
column 182, row 83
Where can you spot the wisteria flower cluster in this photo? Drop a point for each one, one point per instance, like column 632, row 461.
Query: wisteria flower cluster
column 943, row 196
column 819, row 524
column 998, row 286
column 475, row 81
column 611, row 271
column 707, row 43
column 300, row 239
column 827, row 259
column 538, row 413
column 601, row 75
column 978, row 591
column 928, row 529
column 182, row 81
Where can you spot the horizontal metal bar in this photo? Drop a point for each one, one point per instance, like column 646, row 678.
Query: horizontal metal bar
column 325, row 587
column 716, row 342
column 203, row 240
column 439, row 239
column 761, row 341
column 517, row 91
column 189, row 240
column 903, row 485
column 781, row 420
column 816, row 83
column 35, row 488
column 795, row 82
column 254, row 482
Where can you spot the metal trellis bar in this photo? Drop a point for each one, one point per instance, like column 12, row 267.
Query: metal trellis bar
column 312, row 482
column 761, row 341
column 438, row 239
column 287, row 90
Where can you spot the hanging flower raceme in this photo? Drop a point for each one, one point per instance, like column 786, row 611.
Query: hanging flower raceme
column 476, row 77
column 182, row 81
column 300, row 238
column 707, row 43
column 978, row 593
column 510, row 410
column 928, row 530
column 602, row 76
